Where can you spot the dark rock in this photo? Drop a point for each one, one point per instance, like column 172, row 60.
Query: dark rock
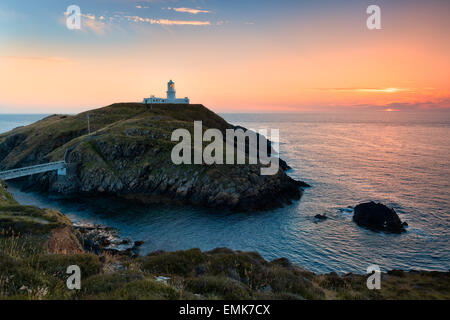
column 377, row 217
column 303, row 184
column 98, row 239
column 321, row 217
column 125, row 241
column 138, row 243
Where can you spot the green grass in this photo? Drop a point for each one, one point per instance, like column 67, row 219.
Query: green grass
column 181, row 263
column 48, row 138
column 6, row 198
column 29, row 219
column 216, row 286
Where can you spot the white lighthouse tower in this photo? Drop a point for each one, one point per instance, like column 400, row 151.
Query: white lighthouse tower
column 171, row 93
column 171, row 96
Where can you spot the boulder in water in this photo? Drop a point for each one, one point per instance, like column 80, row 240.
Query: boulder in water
column 378, row 217
column 321, row 217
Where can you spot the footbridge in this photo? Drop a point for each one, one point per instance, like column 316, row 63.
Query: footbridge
column 60, row 166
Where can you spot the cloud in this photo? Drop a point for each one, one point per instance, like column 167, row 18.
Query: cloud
column 168, row 22
column 97, row 26
column 189, row 10
column 441, row 103
column 369, row 90
column 90, row 22
column 101, row 24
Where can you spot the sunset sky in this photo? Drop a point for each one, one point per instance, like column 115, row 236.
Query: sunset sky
column 231, row 56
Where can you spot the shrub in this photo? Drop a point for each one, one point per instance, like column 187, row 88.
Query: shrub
column 248, row 267
column 144, row 289
column 18, row 279
column 180, row 263
column 224, row 288
column 102, row 283
column 57, row 264
column 283, row 281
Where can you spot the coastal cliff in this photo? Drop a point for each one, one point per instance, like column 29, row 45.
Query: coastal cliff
column 128, row 155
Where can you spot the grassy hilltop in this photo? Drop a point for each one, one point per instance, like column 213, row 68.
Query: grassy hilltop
column 37, row 246
column 41, row 140
column 128, row 155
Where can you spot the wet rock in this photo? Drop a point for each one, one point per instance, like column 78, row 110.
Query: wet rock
column 125, row 241
column 321, row 217
column 378, row 217
column 98, row 239
column 138, row 243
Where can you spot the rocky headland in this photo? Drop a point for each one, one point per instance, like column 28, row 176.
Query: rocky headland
column 128, row 155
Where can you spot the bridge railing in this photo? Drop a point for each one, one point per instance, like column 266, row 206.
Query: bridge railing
column 40, row 168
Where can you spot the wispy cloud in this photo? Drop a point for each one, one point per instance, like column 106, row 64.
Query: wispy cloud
column 369, row 90
column 168, row 22
column 101, row 24
column 189, row 10
column 440, row 103
column 90, row 22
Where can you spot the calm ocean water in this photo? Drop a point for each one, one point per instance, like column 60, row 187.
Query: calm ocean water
column 401, row 159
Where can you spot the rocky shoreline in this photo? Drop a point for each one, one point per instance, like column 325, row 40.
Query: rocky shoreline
column 98, row 239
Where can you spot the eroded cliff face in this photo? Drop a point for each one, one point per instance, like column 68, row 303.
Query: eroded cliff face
column 129, row 155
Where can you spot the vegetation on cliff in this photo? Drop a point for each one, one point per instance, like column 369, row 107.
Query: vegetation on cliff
column 128, row 155
column 32, row 268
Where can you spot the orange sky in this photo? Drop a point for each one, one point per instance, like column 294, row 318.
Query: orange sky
column 290, row 65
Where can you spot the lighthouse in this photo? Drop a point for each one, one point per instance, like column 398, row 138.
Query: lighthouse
column 171, row 93
column 171, row 96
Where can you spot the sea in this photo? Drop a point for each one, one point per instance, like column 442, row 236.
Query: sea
column 401, row 159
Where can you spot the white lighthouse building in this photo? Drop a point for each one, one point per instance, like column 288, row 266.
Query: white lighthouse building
column 171, row 96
